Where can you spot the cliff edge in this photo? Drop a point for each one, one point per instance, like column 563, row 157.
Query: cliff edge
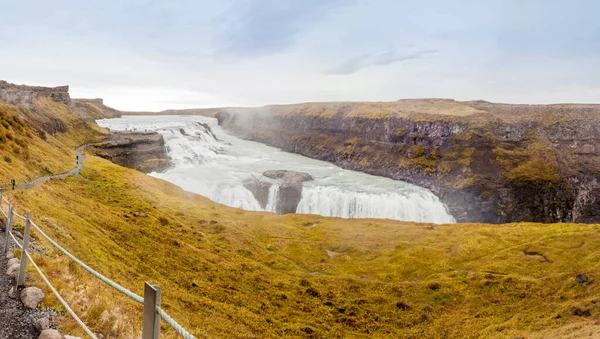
column 487, row 162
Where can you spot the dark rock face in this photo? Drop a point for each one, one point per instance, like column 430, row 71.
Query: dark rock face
column 290, row 189
column 142, row 151
column 509, row 163
column 289, row 197
column 260, row 190
column 25, row 95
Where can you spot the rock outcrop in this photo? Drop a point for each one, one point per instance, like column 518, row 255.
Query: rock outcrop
column 487, row 162
column 144, row 151
column 25, row 95
column 289, row 193
column 92, row 109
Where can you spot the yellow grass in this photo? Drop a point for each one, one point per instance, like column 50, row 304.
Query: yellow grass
column 377, row 110
column 229, row 273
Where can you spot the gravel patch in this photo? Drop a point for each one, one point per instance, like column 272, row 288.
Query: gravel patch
column 16, row 321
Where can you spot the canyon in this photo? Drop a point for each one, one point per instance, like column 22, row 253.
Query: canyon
column 487, row 162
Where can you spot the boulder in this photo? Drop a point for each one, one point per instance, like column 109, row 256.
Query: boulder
column 42, row 324
column 13, row 270
column 31, row 297
column 10, row 255
column 50, row 334
column 12, row 262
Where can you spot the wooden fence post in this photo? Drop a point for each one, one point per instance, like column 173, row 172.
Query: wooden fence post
column 8, row 227
column 151, row 328
column 23, row 267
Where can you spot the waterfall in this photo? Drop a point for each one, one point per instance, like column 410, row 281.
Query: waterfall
column 208, row 161
column 272, row 202
column 409, row 205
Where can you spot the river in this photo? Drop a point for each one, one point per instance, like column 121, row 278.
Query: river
column 208, row 161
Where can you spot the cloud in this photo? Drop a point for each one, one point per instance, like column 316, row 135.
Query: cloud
column 258, row 28
column 359, row 62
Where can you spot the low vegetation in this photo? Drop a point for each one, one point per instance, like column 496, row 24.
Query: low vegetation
column 228, row 273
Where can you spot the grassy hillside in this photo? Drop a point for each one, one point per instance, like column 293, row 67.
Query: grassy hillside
column 40, row 140
column 228, row 273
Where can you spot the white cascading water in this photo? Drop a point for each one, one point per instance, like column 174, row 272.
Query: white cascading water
column 210, row 162
column 272, row 202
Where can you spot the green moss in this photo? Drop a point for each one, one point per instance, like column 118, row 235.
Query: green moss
column 400, row 132
column 535, row 170
column 416, row 150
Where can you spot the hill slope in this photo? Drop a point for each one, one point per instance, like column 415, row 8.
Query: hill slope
column 231, row 273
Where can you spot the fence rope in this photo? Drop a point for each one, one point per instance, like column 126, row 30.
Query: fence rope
column 62, row 301
column 19, row 216
column 1, row 210
column 180, row 330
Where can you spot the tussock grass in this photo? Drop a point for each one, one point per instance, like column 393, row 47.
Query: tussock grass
column 229, row 273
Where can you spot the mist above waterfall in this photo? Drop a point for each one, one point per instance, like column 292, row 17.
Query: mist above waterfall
column 210, row 162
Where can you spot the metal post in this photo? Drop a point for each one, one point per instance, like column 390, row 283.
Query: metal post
column 151, row 329
column 23, row 267
column 8, row 227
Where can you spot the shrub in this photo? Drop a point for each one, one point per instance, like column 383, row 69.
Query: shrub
column 7, row 158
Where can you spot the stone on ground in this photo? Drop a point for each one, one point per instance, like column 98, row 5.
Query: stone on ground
column 42, row 324
column 581, row 278
column 11, row 293
column 12, row 262
column 50, row 334
column 31, row 297
column 13, row 270
column 10, row 255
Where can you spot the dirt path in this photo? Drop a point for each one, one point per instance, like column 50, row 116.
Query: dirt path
column 16, row 321
column 74, row 171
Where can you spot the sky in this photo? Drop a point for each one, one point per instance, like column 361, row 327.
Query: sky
column 155, row 55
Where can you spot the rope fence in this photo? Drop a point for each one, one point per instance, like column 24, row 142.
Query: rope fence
column 151, row 299
column 58, row 296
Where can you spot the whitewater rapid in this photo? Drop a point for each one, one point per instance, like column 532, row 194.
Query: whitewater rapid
column 210, row 162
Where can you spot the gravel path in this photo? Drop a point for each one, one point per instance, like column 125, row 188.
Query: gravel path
column 16, row 321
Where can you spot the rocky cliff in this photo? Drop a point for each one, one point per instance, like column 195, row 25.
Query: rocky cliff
column 488, row 162
column 144, row 151
column 25, row 95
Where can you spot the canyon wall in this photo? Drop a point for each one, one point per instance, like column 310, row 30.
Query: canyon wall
column 487, row 162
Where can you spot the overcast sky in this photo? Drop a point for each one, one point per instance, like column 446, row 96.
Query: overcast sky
column 154, row 55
